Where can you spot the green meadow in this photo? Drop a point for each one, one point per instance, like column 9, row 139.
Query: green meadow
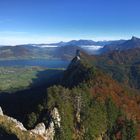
column 18, row 78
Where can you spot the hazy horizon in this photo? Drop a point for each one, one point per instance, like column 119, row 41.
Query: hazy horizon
column 50, row 21
column 65, row 41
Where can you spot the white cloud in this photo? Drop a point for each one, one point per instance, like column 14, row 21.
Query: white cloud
column 92, row 47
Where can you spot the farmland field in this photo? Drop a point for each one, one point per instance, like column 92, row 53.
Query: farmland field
column 18, row 78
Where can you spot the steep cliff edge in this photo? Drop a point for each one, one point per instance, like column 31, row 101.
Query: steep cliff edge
column 40, row 132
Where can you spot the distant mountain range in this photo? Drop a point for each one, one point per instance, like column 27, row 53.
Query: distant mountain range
column 134, row 42
column 35, row 52
column 65, row 50
column 86, row 43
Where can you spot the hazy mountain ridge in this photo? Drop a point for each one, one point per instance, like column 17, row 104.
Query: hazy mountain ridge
column 134, row 42
column 83, row 42
column 51, row 51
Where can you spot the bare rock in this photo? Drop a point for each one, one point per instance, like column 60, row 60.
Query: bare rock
column 1, row 112
column 50, row 132
column 39, row 129
column 17, row 123
column 56, row 117
column 46, row 134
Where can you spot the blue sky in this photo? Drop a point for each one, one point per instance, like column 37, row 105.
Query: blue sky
column 42, row 21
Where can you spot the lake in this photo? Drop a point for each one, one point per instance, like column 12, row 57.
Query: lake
column 36, row 62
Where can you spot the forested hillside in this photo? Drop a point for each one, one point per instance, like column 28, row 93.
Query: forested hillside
column 91, row 105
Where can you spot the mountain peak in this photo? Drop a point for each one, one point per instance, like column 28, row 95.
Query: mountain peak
column 134, row 38
column 80, row 69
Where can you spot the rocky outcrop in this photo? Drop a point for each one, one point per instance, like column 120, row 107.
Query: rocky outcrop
column 49, row 133
column 46, row 134
column 17, row 123
column 78, row 105
column 1, row 112
column 56, row 117
column 40, row 129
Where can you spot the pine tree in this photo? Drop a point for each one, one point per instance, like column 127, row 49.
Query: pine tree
column 131, row 130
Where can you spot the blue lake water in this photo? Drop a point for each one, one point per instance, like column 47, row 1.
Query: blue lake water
column 36, row 62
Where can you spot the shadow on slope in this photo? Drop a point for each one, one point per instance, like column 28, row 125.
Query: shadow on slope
column 5, row 136
column 23, row 102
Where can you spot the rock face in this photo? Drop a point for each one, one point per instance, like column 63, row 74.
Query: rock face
column 78, row 108
column 18, row 124
column 56, row 117
column 1, row 112
column 40, row 129
column 75, row 60
column 50, row 132
column 46, row 134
